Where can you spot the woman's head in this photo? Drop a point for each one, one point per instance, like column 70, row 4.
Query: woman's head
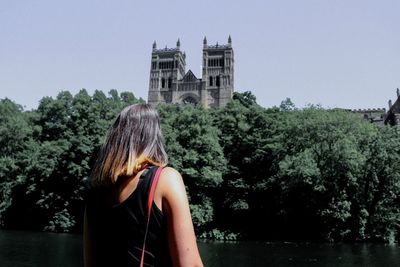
column 133, row 140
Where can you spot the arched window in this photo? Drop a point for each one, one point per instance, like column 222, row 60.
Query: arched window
column 211, row 81
column 169, row 82
column 189, row 100
column 162, row 83
column 217, row 81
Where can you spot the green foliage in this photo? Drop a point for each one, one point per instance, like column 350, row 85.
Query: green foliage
column 15, row 134
column 193, row 148
column 46, row 163
column 216, row 234
column 287, row 105
column 62, row 221
column 250, row 172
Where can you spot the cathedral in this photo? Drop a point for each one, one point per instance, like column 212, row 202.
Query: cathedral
column 170, row 83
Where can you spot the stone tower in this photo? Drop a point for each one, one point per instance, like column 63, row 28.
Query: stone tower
column 218, row 73
column 167, row 67
column 169, row 83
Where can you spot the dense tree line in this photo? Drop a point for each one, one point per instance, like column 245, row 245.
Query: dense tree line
column 278, row 173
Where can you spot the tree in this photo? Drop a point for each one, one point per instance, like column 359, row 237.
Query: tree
column 250, row 172
column 287, row 105
column 58, row 157
column 15, row 138
column 193, row 149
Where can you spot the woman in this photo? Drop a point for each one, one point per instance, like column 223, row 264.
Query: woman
column 116, row 214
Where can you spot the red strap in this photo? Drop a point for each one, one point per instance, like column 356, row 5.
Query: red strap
column 152, row 190
column 149, row 205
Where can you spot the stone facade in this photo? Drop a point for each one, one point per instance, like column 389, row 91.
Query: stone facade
column 393, row 115
column 381, row 116
column 373, row 115
column 170, row 83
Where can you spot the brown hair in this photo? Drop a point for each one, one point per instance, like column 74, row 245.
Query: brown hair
column 133, row 141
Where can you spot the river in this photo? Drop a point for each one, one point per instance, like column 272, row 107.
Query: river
column 18, row 248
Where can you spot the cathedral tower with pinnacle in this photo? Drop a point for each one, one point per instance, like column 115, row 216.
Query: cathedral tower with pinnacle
column 170, row 83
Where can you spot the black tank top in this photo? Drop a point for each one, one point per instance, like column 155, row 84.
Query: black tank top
column 117, row 232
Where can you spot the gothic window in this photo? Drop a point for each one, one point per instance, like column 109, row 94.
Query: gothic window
column 189, row 100
column 217, row 81
column 154, row 65
column 169, row 82
column 216, row 62
column 162, row 83
column 211, row 81
column 166, row 65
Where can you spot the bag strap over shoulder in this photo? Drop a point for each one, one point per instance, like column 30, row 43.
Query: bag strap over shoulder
column 149, row 205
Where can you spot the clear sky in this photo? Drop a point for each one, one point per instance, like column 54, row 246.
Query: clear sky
column 337, row 53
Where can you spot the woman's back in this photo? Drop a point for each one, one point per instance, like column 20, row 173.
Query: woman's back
column 117, row 229
column 116, row 214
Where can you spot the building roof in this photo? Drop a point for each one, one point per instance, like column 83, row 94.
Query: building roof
column 189, row 77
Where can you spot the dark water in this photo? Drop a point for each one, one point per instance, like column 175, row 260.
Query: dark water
column 62, row 250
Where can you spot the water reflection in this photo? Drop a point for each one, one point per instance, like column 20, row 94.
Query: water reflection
column 64, row 250
column 39, row 249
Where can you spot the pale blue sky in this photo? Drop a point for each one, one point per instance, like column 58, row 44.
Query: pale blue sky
column 338, row 53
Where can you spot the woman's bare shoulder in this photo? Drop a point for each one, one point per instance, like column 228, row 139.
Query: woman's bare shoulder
column 171, row 180
column 171, row 173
